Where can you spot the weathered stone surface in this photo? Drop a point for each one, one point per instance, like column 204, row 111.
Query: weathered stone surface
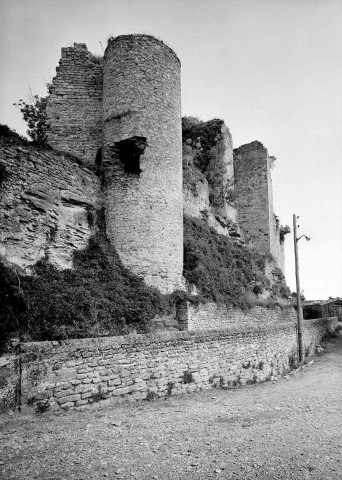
column 9, row 382
column 253, row 188
column 144, row 209
column 210, row 316
column 196, row 197
column 75, row 104
column 44, row 206
column 189, row 361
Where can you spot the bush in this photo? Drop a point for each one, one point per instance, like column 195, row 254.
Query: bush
column 95, row 58
column 34, row 114
column 98, row 297
column 222, row 270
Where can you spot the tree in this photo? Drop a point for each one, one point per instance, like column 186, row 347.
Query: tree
column 34, row 114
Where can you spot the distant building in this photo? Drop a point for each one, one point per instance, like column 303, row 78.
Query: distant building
column 323, row 308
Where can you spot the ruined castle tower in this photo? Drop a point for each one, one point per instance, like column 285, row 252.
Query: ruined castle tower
column 142, row 157
column 125, row 115
column 253, row 189
column 74, row 106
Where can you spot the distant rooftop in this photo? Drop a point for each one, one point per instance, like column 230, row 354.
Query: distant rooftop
column 322, row 302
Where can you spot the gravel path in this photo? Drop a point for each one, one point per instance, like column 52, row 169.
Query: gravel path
column 291, row 429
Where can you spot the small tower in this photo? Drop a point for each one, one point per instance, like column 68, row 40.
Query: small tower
column 142, row 157
column 253, row 189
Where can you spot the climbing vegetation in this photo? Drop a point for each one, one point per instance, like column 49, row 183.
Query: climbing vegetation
column 223, row 271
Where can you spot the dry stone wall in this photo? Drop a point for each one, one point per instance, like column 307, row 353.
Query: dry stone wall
column 9, row 382
column 44, row 206
column 143, row 158
column 75, row 104
column 74, row 373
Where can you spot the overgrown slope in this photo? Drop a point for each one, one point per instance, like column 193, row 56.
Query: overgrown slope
column 98, row 297
column 223, row 270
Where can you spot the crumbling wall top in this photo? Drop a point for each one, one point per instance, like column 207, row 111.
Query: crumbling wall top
column 138, row 38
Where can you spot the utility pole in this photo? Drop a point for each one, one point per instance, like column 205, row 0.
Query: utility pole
column 299, row 300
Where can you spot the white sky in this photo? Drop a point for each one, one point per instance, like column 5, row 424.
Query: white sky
column 271, row 69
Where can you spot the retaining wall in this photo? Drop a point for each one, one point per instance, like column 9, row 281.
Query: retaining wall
column 74, row 373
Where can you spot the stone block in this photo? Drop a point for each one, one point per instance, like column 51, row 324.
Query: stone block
column 69, row 398
column 67, row 405
column 63, row 393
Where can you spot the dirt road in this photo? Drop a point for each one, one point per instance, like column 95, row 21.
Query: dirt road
column 291, row 429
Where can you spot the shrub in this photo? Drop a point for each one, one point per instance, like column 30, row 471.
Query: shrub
column 284, row 230
column 191, row 175
column 34, row 114
column 98, row 297
column 293, row 360
column 42, row 406
column 99, row 395
column 187, row 377
column 95, row 58
column 151, row 396
column 170, row 387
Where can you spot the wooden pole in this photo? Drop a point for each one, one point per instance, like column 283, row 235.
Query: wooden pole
column 299, row 303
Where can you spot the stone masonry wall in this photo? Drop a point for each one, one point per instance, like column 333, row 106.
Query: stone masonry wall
column 228, row 155
column 144, row 207
column 75, row 104
column 276, row 246
column 74, row 373
column 211, row 316
column 44, row 206
column 9, row 382
column 253, row 189
column 196, row 204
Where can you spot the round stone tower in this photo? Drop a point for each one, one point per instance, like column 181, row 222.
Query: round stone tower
column 142, row 158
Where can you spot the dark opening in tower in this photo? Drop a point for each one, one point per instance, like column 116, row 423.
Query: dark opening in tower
column 130, row 151
column 98, row 158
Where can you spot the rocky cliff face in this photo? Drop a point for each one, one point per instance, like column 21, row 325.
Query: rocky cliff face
column 47, row 202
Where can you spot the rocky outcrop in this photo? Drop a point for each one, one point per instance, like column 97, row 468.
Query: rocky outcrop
column 47, row 203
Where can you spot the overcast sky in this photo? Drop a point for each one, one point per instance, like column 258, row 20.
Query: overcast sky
column 271, row 69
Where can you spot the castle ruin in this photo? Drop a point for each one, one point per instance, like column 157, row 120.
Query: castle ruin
column 115, row 129
column 123, row 117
